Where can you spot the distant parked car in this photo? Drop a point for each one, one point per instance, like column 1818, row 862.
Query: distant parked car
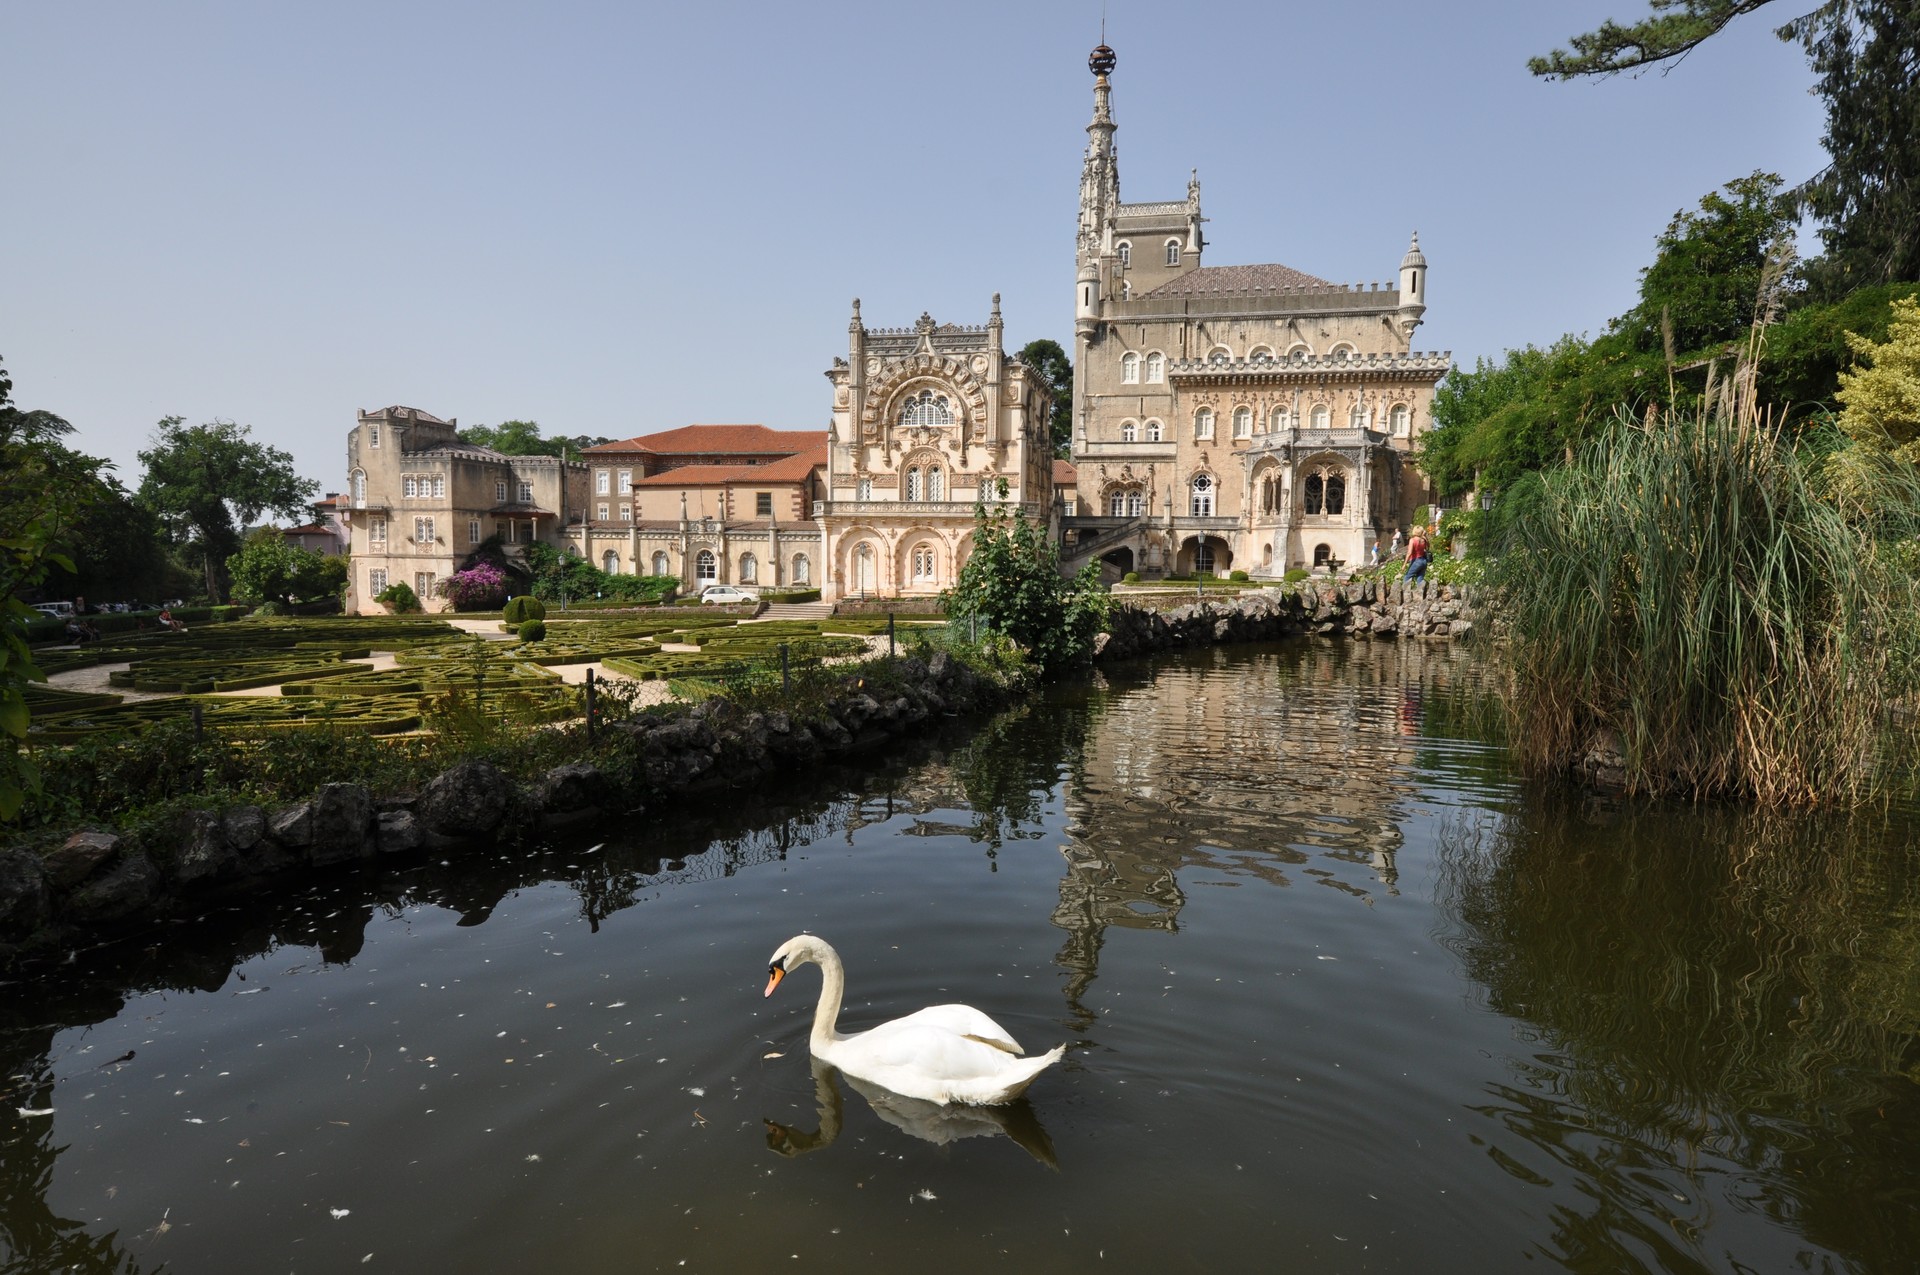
column 61, row 609
column 724, row 593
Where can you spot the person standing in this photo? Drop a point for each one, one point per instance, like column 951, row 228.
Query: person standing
column 1417, row 555
column 1394, row 550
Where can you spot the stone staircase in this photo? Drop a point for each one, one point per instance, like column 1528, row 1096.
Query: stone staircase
column 793, row 611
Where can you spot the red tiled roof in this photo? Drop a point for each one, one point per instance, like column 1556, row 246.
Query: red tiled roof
column 788, row 469
column 1064, row 474
column 719, row 440
column 311, row 529
column 1236, row 279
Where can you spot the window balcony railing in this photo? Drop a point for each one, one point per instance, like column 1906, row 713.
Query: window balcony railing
column 933, row 508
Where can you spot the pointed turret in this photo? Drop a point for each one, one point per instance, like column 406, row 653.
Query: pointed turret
column 1413, row 289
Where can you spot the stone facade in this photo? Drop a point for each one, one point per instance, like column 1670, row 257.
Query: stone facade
column 1232, row 417
column 419, row 502
column 927, row 421
column 708, row 504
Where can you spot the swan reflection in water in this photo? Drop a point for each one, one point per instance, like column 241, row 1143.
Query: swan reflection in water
column 933, row 1122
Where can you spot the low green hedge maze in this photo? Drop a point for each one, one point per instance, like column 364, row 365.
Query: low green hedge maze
column 198, row 676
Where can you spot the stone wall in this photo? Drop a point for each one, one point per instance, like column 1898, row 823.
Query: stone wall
column 101, row 880
column 1364, row 609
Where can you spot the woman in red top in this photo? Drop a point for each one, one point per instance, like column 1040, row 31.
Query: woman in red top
column 1417, row 555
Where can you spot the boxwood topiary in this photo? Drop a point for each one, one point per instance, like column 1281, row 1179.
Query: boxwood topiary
column 533, row 631
column 523, row 608
column 1132, row 577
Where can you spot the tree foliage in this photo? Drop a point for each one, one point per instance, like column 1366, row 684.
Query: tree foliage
column 1012, row 585
column 1863, row 51
column 206, row 481
column 523, row 438
column 268, row 569
column 1056, row 373
column 1881, row 394
column 35, row 506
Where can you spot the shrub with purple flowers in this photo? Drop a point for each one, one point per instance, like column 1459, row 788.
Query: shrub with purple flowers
column 482, row 587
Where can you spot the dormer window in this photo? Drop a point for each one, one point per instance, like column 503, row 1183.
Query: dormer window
column 1173, row 252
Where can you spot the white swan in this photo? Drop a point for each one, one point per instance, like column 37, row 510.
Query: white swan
column 944, row 1053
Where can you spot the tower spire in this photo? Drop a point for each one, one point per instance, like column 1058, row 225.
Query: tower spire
column 1100, row 176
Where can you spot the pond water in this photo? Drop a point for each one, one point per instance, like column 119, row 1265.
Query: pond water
column 1340, row 994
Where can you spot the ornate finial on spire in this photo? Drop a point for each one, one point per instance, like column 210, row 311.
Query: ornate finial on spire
column 1193, row 185
column 925, row 325
column 996, row 306
column 1101, row 61
column 1414, row 256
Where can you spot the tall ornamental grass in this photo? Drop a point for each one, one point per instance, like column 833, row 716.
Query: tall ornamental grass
column 1697, row 588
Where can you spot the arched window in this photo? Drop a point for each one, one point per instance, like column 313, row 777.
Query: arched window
column 1203, row 423
column 936, row 483
column 1156, row 368
column 1201, row 500
column 1154, row 431
column 1130, row 369
column 1281, row 419
column 1313, row 494
column 706, row 566
column 913, row 484
column 1219, row 354
column 1322, row 416
column 1136, row 503
column 1128, row 431
column 1322, row 554
column 660, row 567
column 1399, row 419
column 359, row 486
column 1243, row 422
column 926, row 408
column 1260, row 354
column 1173, row 252
column 922, row 564
column 1117, row 504
column 749, row 569
column 1340, row 353
column 1336, row 494
column 802, row 569
column 610, row 563
column 1126, row 254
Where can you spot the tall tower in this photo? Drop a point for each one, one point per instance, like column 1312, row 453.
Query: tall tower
column 1099, row 201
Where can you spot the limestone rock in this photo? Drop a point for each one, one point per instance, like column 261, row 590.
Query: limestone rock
column 342, row 818
column 471, row 800
column 122, row 890
column 567, row 789
column 78, row 857
column 201, row 850
column 25, row 900
column 397, row 831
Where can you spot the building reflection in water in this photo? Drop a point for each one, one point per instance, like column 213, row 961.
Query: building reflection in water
column 1293, row 769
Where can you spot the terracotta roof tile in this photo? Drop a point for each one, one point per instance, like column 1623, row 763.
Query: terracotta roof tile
column 788, row 469
column 723, row 440
column 1267, row 278
column 1064, row 474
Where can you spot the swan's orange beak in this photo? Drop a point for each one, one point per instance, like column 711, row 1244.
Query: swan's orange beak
column 774, row 975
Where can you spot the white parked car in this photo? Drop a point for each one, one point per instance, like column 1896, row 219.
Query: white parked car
column 62, row 609
column 724, row 593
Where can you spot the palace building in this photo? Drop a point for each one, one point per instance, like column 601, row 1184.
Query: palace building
column 1239, row 417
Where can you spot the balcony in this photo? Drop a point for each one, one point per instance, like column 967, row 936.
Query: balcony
column 921, row 508
column 1102, row 449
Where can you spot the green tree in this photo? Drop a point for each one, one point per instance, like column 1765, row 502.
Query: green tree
column 1881, row 393
column 1708, row 267
column 1011, row 584
column 1056, row 373
column 268, row 569
column 36, row 505
column 523, row 438
column 206, row 481
column 1868, row 196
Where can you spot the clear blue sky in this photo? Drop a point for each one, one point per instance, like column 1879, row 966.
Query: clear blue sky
column 618, row 218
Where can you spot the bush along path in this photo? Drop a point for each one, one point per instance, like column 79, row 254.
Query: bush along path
column 107, row 879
